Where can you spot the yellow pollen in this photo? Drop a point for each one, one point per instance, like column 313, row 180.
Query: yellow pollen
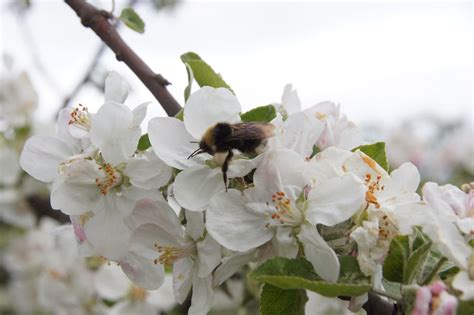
column 138, row 294
column 285, row 214
column 168, row 254
column 373, row 186
column 320, row 116
column 83, row 218
column 55, row 274
column 112, row 178
column 80, row 117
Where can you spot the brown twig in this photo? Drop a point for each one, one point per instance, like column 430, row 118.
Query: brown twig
column 99, row 22
column 87, row 77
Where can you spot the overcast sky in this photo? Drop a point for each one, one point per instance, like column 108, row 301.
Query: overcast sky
column 381, row 61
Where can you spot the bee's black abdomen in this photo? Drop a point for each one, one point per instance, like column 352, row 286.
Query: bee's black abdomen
column 221, row 132
column 245, row 137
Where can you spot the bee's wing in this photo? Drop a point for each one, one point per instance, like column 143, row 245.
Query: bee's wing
column 252, row 130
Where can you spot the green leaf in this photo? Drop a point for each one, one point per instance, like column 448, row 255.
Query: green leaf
column 299, row 274
column 395, row 262
column 144, row 143
column 187, row 90
column 202, row 72
column 465, row 308
column 420, row 239
column 377, row 152
column 262, row 114
column 180, row 114
column 415, row 262
column 132, row 20
column 279, row 301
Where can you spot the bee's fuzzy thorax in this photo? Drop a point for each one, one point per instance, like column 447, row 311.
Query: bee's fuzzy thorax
column 208, row 137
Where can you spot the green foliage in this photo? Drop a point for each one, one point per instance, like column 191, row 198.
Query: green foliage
column 201, row 72
column 394, row 263
column 299, row 274
column 262, row 114
column 143, row 143
column 406, row 258
column 131, row 19
column 377, row 152
column 187, row 90
column 465, row 308
column 180, row 114
column 275, row 300
column 415, row 263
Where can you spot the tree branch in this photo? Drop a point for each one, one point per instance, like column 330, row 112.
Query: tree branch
column 378, row 306
column 99, row 22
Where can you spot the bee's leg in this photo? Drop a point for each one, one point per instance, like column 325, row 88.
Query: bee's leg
column 225, row 167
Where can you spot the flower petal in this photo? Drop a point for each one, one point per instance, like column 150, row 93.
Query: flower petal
column 157, row 212
column 111, row 283
column 290, row 100
column 172, row 143
column 209, row 256
column 208, row 106
column 327, row 164
column 335, row 200
column 318, row 252
column 143, row 272
column 182, row 278
column 139, row 114
column 194, row 224
column 147, row 236
column 112, row 132
column 108, row 234
column 195, row 186
column 403, row 185
column 279, row 168
column 148, row 171
column 284, row 243
column 10, row 170
column 230, row 265
column 163, row 298
column 203, row 294
column 116, row 88
column 233, row 225
column 463, row 283
column 42, row 155
column 301, row 132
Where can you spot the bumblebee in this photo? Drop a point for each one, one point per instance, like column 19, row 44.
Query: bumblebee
column 219, row 140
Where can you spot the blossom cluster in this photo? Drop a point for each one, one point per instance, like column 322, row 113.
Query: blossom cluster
column 150, row 207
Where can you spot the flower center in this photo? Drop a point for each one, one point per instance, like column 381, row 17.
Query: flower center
column 138, row 294
column 387, row 228
column 373, row 187
column 111, row 179
column 80, row 118
column 169, row 254
column 286, row 214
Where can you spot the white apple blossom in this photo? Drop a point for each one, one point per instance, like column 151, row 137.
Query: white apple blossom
column 338, row 131
column 173, row 141
column 453, row 203
column 389, row 201
column 453, row 216
column 18, row 99
column 280, row 209
column 290, row 102
column 112, row 285
column 46, row 261
column 321, row 305
column 96, row 173
column 434, row 300
column 193, row 253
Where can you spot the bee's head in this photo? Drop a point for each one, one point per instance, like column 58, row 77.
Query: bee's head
column 203, row 148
